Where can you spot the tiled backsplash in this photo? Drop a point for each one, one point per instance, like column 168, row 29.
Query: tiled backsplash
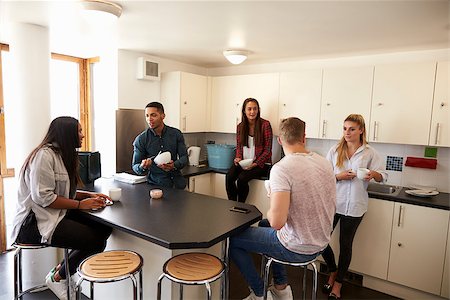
column 393, row 154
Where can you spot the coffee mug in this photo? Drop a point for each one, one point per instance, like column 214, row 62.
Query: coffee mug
column 115, row 194
column 362, row 172
column 267, row 186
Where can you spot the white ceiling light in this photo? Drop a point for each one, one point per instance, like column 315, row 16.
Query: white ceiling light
column 102, row 7
column 235, row 56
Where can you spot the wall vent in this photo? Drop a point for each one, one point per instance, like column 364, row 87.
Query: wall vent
column 147, row 69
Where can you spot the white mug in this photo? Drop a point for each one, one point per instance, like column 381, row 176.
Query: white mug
column 115, row 194
column 267, row 186
column 362, row 172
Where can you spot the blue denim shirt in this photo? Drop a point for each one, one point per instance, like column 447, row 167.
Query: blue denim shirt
column 148, row 144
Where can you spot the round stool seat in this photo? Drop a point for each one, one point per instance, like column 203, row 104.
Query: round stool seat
column 194, row 266
column 110, row 265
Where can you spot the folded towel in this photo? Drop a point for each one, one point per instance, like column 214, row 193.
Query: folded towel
column 129, row 178
column 419, row 162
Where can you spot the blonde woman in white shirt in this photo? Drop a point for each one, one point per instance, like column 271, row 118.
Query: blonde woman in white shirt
column 352, row 152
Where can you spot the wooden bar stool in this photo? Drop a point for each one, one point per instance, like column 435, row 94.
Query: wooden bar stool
column 18, row 292
column 305, row 265
column 192, row 269
column 111, row 266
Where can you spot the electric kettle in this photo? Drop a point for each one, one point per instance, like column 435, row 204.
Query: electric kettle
column 194, row 155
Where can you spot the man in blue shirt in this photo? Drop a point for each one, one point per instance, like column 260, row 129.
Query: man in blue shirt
column 160, row 138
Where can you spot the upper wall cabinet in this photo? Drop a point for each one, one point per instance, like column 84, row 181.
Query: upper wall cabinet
column 229, row 92
column 402, row 102
column 345, row 91
column 439, row 132
column 184, row 98
column 300, row 97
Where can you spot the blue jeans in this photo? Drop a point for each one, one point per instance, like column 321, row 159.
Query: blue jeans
column 262, row 240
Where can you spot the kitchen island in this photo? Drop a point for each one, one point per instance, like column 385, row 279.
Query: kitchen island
column 161, row 228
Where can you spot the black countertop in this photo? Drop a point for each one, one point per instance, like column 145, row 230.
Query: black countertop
column 441, row 201
column 189, row 171
column 179, row 220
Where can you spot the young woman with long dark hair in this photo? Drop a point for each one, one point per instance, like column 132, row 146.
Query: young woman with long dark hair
column 253, row 141
column 48, row 198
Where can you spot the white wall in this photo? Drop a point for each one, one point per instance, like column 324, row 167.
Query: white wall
column 294, row 65
column 136, row 93
column 438, row 178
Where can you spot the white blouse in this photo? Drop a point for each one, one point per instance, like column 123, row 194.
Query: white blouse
column 352, row 198
column 44, row 180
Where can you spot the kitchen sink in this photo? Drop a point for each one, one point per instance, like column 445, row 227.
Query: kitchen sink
column 383, row 189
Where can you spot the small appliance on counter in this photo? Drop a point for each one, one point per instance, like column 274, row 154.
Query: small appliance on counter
column 194, row 155
column 220, row 156
column 90, row 167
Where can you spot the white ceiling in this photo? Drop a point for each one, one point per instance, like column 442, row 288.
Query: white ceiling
column 273, row 31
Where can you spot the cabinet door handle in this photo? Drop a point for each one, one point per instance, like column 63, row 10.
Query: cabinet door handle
column 438, row 133
column 399, row 244
column 375, row 130
column 400, row 215
column 324, row 128
column 184, row 123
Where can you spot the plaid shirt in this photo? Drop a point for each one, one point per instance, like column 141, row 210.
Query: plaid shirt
column 263, row 152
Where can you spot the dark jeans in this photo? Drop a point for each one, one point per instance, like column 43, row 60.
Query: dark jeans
column 237, row 180
column 348, row 226
column 84, row 236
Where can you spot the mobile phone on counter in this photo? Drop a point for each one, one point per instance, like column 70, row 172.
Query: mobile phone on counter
column 240, row 210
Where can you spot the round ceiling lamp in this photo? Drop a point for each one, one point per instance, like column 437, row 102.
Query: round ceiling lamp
column 102, row 7
column 235, row 56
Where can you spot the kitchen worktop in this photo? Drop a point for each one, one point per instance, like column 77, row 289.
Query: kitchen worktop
column 177, row 221
column 189, row 171
column 441, row 201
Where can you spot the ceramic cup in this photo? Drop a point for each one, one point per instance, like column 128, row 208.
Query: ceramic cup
column 115, row 194
column 156, row 193
column 267, row 186
column 362, row 172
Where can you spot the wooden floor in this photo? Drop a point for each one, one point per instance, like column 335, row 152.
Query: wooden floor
column 238, row 287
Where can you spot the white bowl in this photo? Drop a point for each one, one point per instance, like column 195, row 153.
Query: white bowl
column 156, row 193
column 162, row 158
column 246, row 163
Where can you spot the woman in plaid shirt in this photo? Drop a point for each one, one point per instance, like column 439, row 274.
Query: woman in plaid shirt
column 253, row 141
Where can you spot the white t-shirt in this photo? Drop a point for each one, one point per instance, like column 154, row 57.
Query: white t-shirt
column 45, row 178
column 310, row 180
column 249, row 151
column 351, row 195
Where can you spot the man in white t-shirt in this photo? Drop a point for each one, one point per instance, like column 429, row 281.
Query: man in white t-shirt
column 302, row 206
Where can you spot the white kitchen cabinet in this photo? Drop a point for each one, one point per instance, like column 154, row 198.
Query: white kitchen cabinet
column 229, row 92
column 440, row 120
column 257, row 196
column 419, row 236
column 220, row 190
column 445, row 290
column 184, row 96
column 345, row 91
column 300, row 94
column 402, row 103
column 201, row 184
column 372, row 241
